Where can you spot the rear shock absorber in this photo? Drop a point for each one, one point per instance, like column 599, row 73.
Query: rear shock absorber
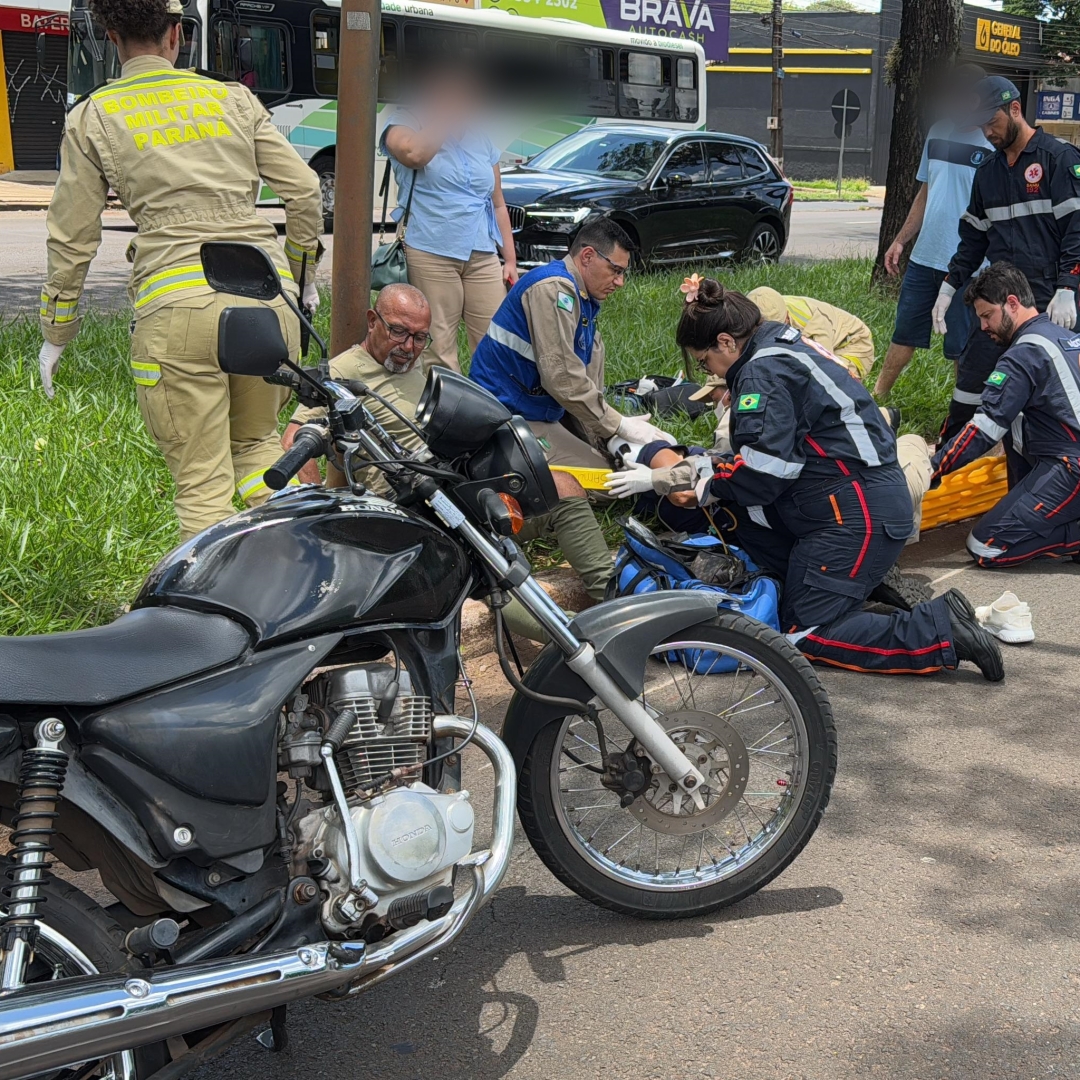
column 41, row 776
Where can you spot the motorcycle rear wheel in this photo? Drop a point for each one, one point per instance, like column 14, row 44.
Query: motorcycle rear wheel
column 77, row 937
column 764, row 734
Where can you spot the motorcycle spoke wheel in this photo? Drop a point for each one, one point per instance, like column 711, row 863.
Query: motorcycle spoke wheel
column 761, row 733
column 663, row 840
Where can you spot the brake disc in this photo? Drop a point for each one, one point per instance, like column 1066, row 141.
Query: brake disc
column 718, row 751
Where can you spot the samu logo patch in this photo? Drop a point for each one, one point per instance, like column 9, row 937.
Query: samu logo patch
column 997, row 378
column 565, row 302
column 750, row 403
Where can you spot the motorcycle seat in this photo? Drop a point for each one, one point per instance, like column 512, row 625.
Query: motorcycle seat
column 141, row 650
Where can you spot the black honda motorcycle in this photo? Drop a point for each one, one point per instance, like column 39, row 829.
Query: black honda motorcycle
column 263, row 758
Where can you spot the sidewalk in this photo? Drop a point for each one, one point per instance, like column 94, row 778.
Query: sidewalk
column 24, row 189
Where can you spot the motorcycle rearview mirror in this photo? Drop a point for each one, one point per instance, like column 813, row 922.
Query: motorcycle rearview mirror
column 240, row 269
column 250, row 341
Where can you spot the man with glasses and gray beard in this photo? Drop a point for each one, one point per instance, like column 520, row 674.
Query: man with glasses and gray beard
column 399, row 328
column 386, row 361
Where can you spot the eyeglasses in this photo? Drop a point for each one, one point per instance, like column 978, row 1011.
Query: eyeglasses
column 400, row 334
column 620, row 271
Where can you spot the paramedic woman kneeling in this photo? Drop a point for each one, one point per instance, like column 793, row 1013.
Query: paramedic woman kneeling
column 819, row 497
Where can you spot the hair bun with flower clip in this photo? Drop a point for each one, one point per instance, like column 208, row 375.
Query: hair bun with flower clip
column 690, row 287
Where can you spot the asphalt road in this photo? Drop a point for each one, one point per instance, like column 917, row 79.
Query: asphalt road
column 817, row 229
column 928, row 931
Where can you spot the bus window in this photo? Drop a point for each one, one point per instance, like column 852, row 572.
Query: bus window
column 686, row 95
column 645, row 86
column 188, row 56
column 264, row 57
column 324, row 43
column 223, row 47
column 389, row 61
column 427, row 41
column 591, row 68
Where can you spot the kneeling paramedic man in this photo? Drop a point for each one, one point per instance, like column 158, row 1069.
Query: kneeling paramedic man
column 187, row 156
column 543, row 356
column 1034, row 392
column 819, row 496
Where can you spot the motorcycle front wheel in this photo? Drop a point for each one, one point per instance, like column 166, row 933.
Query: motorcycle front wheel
column 758, row 724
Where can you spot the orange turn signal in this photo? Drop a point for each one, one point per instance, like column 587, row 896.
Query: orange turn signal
column 517, row 518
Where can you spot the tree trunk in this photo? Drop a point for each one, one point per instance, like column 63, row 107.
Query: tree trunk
column 929, row 41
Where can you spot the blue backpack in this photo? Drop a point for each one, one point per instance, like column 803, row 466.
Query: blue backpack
column 645, row 564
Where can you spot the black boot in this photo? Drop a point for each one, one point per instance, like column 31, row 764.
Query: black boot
column 900, row 591
column 970, row 640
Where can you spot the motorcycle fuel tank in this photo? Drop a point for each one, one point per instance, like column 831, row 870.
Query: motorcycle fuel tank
column 313, row 561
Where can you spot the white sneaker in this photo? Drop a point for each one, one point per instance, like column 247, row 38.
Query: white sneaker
column 1008, row 618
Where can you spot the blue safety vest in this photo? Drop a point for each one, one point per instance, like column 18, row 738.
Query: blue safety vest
column 504, row 362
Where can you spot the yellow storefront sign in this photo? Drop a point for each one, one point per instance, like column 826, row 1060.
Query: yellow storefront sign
column 993, row 36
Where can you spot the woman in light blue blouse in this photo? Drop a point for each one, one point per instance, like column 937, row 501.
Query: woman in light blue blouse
column 458, row 223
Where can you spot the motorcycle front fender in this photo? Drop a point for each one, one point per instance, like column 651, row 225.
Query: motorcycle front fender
column 623, row 632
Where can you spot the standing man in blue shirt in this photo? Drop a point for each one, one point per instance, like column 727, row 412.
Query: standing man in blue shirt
column 950, row 157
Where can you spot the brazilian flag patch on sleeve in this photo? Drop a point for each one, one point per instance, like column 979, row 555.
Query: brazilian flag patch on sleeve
column 751, row 403
column 997, row 378
column 1076, row 170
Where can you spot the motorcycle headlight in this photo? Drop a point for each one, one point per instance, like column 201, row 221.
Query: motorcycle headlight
column 456, row 415
column 512, row 463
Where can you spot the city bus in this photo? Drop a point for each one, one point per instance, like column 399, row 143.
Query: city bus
column 286, row 51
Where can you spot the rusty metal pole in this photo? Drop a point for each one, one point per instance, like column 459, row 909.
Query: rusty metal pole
column 354, row 169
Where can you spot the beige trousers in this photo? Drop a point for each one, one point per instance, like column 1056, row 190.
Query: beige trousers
column 218, row 433
column 913, row 455
column 457, row 290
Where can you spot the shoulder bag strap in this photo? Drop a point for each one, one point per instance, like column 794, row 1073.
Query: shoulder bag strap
column 408, row 208
column 384, row 191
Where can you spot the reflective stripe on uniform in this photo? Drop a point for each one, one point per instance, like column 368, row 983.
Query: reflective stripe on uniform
column 981, row 550
column 180, row 277
column 759, row 461
column 1019, row 210
column 964, row 397
column 145, row 374
column 1017, row 432
column 1061, row 368
column 988, row 427
column 982, row 224
column 848, row 414
column 757, row 515
column 511, row 341
column 163, row 78
column 252, row 484
column 64, row 311
column 297, row 253
column 1067, row 207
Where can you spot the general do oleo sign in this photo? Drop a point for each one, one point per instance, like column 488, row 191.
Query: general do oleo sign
column 997, row 37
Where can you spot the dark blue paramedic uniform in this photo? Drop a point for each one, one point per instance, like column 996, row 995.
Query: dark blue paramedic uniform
column 824, row 503
column 1025, row 214
column 1034, row 393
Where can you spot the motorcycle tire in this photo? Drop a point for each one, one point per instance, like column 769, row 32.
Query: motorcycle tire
column 589, row 872
column 72, row 914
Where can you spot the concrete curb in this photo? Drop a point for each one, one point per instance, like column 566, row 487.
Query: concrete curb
column 478, row 624
column 15, row 196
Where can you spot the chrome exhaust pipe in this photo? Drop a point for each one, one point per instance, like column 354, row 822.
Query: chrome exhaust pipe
column 52, row 1025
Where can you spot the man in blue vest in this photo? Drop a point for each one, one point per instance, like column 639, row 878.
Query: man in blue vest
column 543, row 356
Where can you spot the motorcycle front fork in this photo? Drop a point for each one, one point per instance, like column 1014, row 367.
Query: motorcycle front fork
column 581, row 659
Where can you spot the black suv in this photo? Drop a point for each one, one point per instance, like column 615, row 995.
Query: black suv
column 681, row 195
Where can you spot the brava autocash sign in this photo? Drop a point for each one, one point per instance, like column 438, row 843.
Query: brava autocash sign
column 704, row 21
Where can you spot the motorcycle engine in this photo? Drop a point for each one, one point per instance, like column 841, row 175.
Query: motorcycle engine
column 409, row 835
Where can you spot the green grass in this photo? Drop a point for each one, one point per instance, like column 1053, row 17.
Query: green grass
column 855, row 184
column 86, row 500
column 825, row 190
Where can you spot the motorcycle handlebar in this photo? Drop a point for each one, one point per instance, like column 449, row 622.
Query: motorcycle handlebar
column 310, row 443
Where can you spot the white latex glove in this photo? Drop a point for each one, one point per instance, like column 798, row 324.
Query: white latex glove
column 637, row 429
column 1062, row 308
column 633, row 480
column 48, row 362
column 941, row 305
column 310, row 297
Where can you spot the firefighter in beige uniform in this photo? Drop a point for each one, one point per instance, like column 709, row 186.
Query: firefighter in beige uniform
column 186, row 155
